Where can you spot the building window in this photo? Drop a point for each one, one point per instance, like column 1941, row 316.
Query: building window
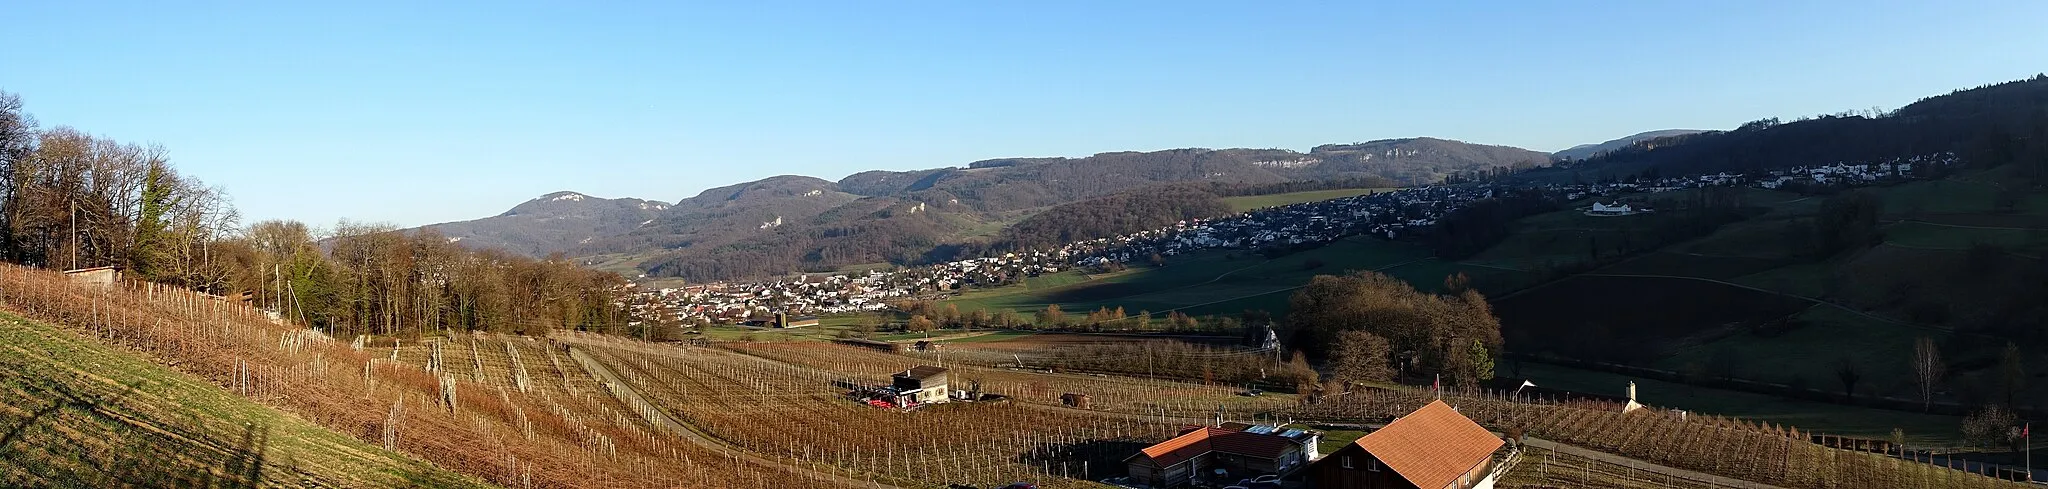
column 1372, row 464
column 1347, row 461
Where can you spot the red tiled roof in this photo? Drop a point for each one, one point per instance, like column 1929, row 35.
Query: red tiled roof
column 1432, row 446
column 1198, row 441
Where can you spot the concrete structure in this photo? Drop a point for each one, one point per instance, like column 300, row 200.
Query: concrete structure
column 1432, row 448
column 102, row 276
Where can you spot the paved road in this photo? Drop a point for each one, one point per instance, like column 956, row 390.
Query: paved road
column 631, row 397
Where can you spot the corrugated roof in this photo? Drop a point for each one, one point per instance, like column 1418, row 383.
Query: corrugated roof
column 1178, row 449
column 1198, row 441
column 1432, row 446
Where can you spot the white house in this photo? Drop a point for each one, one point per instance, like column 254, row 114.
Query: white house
column 1619, row 209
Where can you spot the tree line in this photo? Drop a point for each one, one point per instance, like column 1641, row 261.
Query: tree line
column 72, row 200
column 1375, row 328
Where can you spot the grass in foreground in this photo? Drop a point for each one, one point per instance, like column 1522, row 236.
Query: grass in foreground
column 76, row 413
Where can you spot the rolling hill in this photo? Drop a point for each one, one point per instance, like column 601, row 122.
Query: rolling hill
column 556, row 221
column 793, row 223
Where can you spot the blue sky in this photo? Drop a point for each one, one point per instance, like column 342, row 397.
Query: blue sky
column 422, row 112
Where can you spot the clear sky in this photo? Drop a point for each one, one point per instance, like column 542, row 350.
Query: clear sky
column 420, row 112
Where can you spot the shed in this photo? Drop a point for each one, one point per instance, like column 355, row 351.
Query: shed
column 1074, row 400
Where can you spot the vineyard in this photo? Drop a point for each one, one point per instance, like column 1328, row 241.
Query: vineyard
column 1115, row 394
column 1721, row 446
column 1152, row 358
column 796, row 413
column 501, row 418
column 1547, row 469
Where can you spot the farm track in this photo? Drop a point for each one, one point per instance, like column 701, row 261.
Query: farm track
column 631, row 396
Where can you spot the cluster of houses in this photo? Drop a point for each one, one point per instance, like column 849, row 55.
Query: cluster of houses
column 1843, row 174
column 1387, row 214
column 1433, row 447
column 814, row 294
column 1855, row 173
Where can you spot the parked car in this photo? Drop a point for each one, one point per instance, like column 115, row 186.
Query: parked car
column 1119, row 481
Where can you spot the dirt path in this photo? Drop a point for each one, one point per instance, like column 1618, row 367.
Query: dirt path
column 631, row 397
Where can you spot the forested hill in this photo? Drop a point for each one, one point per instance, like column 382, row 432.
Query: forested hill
column 795, row 223
column 1584, row 151
column 547, row 222
column 1987, row 122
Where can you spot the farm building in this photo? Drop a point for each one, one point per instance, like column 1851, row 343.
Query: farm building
column 923, row 384
column 1231, row 450
column 1431, row 448
column 783, row 320
column 1618, row 209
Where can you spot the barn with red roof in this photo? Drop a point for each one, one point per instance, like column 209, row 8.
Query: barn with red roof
column 1432, row 448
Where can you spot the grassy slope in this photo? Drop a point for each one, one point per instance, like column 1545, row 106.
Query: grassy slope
column 1752, row 253
column 131, row 421
column 1249, row 202
column 1214, row 282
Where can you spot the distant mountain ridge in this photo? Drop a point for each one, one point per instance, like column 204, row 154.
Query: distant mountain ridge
column 793, row 223
column 1584, row 151
column 544, row 224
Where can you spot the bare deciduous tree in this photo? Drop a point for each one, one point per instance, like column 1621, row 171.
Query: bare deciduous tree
column 1927, row 369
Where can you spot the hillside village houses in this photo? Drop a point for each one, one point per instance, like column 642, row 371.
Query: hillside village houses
column 1390, row 215
column 1385, row 214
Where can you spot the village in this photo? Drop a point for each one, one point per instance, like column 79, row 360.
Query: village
column 1389, row 215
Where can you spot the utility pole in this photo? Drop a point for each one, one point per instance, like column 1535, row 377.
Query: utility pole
column 74, row 234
